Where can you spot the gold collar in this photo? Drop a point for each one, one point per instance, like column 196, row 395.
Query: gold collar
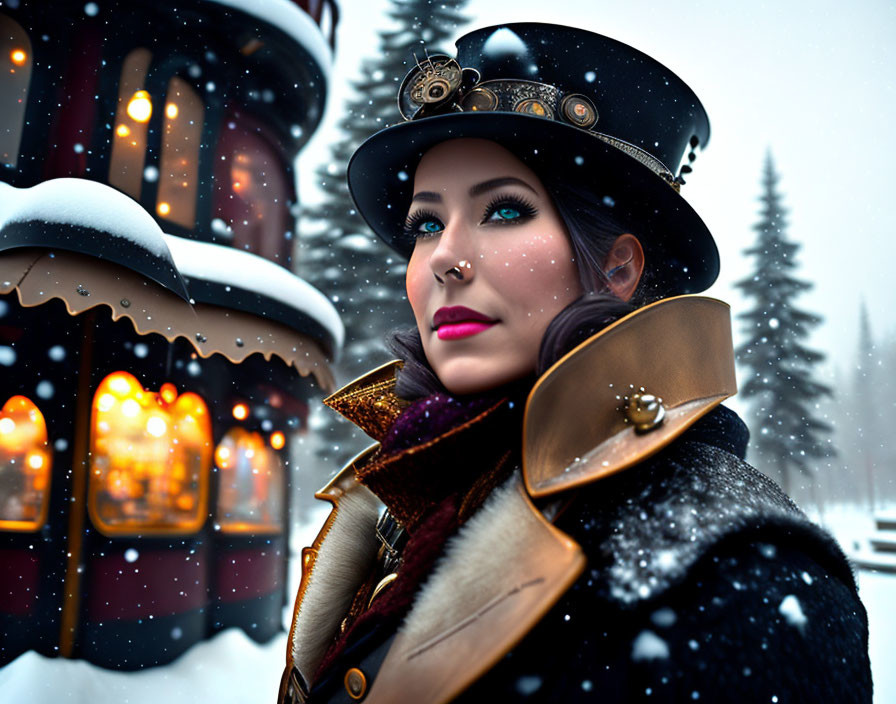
column 575, row 429
column 370, row 401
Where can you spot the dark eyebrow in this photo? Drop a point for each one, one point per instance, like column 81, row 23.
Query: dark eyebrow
column 427, row 197
column 481, row 188
column 477, row 190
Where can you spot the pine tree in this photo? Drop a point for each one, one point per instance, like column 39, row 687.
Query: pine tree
column 787, row 435
column 337, row 252
column 865, row 408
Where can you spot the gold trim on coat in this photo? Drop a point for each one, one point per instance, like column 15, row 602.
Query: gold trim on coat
column 575, row 429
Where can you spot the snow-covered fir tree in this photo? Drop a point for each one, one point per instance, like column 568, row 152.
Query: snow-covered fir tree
column 788, row 436
column 337, row 252
column 865, row 432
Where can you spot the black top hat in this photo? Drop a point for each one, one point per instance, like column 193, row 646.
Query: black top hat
column 582, row 106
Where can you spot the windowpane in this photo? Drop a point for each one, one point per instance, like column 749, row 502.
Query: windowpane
column 131, row 121
column 251, row 192
column 25, row 465
column 15, row 74
column 181, row 136
column 250, row 495
column 150, row 458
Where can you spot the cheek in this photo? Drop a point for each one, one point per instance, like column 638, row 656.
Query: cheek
column 417, row 284
column 537, row 266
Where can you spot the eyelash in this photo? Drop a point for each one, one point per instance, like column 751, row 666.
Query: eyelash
column 526, row 209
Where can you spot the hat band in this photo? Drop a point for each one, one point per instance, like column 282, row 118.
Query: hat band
column 439, row 86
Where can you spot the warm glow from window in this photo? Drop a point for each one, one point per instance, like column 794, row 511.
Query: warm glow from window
column 250, row 492
column 164, row 208
column 150, row 458
column 129, row 152
column 278, row 440
column 253, row 189
column 179, row 164
column 241, row 411
column 140, row 107
column 24, row 465
column 15, row 78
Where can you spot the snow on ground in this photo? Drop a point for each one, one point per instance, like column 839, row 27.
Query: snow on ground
column 233, row 669
column 853, row 526
column 228, row 669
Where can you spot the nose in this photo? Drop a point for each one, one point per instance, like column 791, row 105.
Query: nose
column 451, row 261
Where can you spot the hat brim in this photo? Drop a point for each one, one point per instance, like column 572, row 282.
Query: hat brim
column 681, row 254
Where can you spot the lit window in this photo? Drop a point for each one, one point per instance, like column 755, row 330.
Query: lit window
column 15, row 74
column 24, row 466
column 250, row 493
column 179, row 170
column 150, row 458
column 252, row 191
column 131, row 123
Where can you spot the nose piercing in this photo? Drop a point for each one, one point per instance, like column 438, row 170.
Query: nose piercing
column 457, row 271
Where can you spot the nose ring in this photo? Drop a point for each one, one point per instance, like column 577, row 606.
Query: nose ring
column 457, row 271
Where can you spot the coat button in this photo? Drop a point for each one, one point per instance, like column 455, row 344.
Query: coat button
column 645, row 411
column 355, row 683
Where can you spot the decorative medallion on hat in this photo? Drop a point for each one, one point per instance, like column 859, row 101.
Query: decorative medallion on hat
column 579, row 110
column 480, row 98
column 429, row 84
column 534, row 106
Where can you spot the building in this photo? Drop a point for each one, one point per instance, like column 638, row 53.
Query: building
column 157, row 355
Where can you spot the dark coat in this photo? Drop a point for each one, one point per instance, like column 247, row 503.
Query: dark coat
column 703, row 583
column 745, row 601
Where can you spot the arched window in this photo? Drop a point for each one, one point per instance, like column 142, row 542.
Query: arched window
column 25, row 465
column 150, row 457
column 179, row 170
column 15, row 75
column 131, row 122
column 250, row 492
column 252, row 191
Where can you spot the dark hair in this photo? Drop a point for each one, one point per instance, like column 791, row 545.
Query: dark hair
column 592, row 230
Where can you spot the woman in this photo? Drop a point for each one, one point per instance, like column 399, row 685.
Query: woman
column 568, row 514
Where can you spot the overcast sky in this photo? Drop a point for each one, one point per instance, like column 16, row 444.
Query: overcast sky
column 813, row 81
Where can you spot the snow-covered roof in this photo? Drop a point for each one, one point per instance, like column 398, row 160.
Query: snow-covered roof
column 232, row 267
column 120, row 228
column 76, row 201
column 290, row 19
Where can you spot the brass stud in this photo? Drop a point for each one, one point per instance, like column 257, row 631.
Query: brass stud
column 534, row 106
column 355, row 683
column 645, row 411
column 480, row 99
column 579, row 111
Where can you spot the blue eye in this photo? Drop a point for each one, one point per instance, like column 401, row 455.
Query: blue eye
column 506, row 214
column 509, row 210
column 430, row 227
column 422, row 224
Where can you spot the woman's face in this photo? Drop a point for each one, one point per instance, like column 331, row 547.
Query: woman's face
column 491, row 267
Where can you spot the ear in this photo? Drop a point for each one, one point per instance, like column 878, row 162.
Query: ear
column 624, row 266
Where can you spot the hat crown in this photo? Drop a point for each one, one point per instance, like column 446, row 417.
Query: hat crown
column 638, row 100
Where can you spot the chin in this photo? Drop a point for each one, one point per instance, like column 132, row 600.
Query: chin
column 462, row 377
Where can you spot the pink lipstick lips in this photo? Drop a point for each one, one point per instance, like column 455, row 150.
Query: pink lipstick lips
column 457, row 322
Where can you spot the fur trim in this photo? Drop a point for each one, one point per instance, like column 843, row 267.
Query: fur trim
column 344, row 559
column 468, row 563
